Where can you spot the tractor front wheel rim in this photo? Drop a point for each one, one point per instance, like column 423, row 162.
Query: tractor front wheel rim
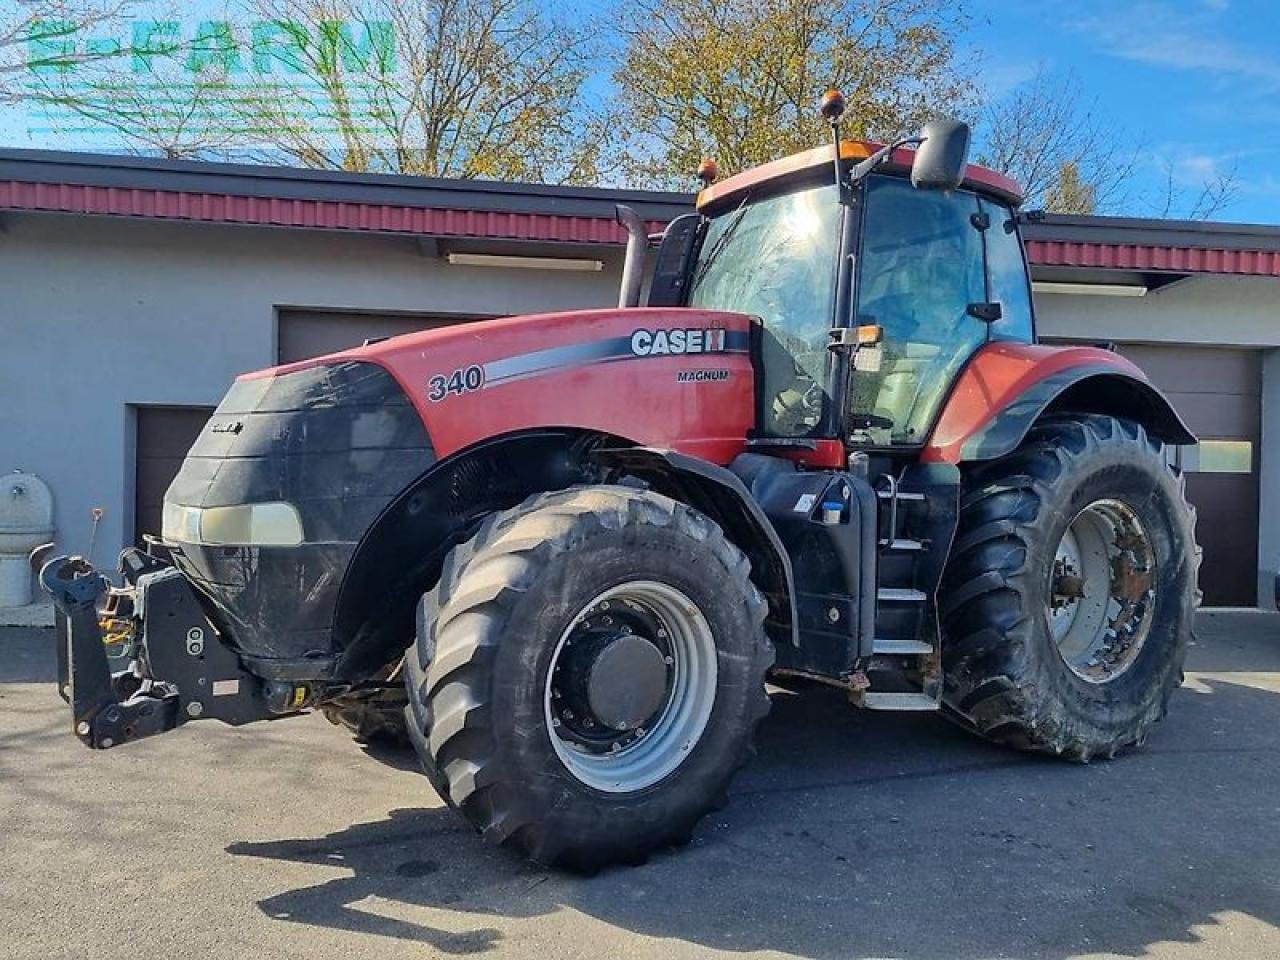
column 631, row 686
column 1102, row 591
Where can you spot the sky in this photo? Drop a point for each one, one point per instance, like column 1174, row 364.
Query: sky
column 1195, row 83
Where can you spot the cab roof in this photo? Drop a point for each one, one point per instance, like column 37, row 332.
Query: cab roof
column 716, row 197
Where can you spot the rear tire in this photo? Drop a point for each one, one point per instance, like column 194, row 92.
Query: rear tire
column 623, row 574
column 1068, row 600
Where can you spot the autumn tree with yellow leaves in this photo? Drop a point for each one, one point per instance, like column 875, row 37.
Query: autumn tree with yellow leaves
column 738, row 80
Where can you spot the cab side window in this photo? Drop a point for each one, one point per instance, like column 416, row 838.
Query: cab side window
column 1007, row 274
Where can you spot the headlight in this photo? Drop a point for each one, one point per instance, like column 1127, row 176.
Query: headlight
column 243, row 525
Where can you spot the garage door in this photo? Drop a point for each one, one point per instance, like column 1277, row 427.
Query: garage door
column 313, row 333
column 1218, row 393
column 164, row 435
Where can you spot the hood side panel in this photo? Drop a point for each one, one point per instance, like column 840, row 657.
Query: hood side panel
column 673, row 378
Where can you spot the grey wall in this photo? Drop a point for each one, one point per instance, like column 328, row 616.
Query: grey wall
column 1213, row 311
column 100, row 314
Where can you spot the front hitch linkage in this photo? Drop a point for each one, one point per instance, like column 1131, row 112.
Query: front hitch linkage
column 202, row 677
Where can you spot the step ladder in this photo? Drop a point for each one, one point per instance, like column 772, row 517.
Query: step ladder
column 904, row 668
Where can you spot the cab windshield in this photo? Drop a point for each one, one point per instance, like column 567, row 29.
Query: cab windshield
column 775, row 258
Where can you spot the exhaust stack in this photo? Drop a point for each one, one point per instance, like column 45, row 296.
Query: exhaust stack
column 633, row 266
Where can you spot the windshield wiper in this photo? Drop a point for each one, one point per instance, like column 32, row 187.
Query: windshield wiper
column 720, row 242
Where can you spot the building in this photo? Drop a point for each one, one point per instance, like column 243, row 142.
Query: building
column 134, row 290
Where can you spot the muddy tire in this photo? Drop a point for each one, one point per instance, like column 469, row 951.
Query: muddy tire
column 1068, row 600
column 588, row 675
column 376, row 717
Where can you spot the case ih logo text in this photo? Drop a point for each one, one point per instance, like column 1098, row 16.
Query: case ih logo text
column 653, row 343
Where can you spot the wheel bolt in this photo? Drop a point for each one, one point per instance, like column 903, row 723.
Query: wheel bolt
column 555, row 721
column 567, row 714
column 668, row 660
column 662, row 634
column 615, row 747
column 588, row 722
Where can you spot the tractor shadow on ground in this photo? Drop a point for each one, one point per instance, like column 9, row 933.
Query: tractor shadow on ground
column 857, row 834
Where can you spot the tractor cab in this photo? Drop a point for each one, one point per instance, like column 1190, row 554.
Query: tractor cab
column 872, row 288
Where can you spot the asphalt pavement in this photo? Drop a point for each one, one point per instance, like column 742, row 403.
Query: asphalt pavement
column 853, row 835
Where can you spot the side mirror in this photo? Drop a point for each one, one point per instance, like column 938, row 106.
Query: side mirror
column 941, row 157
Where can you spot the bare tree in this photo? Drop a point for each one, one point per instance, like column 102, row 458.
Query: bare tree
column 1184, row 195
column 738, row 80
column 46, row 36
column 1054, row 143
column 452, row 88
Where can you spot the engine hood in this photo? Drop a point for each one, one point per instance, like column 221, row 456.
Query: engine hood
column 674, row 377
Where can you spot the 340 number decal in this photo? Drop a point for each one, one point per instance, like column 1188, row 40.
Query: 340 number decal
column 462, row 380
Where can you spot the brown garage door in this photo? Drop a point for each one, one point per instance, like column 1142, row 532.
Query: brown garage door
column 164, row 435
column 313, row 333
column 1218, row 393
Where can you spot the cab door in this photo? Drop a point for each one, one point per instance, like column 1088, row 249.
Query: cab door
column 920, row 267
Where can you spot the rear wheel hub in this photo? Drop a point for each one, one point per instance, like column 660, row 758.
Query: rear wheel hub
column 1102, row 591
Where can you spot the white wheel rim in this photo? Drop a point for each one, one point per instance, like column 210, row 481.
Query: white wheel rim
column 1102, row 591
column 648, row 754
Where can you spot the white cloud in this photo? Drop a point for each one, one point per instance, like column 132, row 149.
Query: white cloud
column 1157, row 34
column 1002, row 78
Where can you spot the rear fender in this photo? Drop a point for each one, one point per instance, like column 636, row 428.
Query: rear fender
column 1007, row 387
column 719, row 494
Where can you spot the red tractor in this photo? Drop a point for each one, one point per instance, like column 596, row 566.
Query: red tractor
column 563, row 554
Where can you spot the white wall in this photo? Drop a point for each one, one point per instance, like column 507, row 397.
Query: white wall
column 1221, row 311
column 98, row 314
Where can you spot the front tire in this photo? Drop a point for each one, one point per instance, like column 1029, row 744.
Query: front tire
column 1068, row 600
column 588, row 675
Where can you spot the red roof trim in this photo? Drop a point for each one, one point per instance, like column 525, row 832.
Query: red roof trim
column 1104, row 256
column 555, row 228
column 318, row 214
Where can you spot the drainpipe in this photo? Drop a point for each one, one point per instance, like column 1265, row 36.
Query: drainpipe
column 637, row 246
